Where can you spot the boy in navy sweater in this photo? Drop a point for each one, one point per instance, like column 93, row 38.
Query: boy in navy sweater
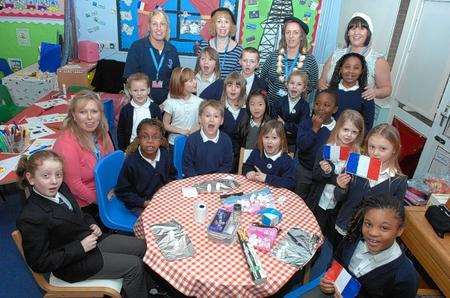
column 250, row 62
column 208, row 150
column 146, row 168
column 312, row 134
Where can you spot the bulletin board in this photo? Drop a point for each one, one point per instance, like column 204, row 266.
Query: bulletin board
column 96, row 21
column 188, row 19
column 262, row 21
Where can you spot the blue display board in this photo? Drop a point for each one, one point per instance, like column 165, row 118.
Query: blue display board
column 186, row 22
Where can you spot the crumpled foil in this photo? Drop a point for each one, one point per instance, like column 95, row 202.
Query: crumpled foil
column 216, row 185
column 172, row 241
column 297, row 247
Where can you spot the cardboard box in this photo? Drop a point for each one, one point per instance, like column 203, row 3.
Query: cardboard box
column 75, row 74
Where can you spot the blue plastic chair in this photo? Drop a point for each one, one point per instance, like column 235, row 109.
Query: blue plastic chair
column 4, row 68
column 113, row 212
column 178, row 149
column 300, row 291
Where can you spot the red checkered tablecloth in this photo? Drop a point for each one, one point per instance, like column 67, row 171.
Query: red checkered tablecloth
column 217, row 269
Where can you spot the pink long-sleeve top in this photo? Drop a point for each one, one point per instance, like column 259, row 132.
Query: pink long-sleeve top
column 79, row 166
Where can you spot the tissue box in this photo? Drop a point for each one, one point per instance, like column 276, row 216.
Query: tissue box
column 75, row 74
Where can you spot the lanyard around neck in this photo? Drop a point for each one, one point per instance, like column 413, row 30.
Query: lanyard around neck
column 155, row 63
column 224, row 58
column 288, row 70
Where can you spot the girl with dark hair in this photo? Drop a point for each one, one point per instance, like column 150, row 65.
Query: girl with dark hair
column 147, row 157
column 358, row 36
column 258, row 113
column 371, row 253
column 350, row 79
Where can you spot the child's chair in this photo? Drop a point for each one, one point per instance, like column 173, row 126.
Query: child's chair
column 56, row 287
column 178, row 149
column 243, row 156
column 113, row 212
column 8, row 109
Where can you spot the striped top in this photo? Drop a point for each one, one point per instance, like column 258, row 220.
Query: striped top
column 270, row 75
column 228, row 61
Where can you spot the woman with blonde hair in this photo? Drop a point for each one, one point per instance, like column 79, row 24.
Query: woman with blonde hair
column 82, row 142
column 223, row 29
column 155, row 56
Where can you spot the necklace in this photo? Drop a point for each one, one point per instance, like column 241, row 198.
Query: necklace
column 282, row 64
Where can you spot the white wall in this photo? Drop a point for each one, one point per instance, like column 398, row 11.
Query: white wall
column 383, row 14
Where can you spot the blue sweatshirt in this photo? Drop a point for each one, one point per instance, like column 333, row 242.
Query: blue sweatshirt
column 280, row 173
column 354, row 100
column 207, row 157
column 139, row 180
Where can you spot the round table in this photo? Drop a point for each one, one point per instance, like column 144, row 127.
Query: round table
column 217, row 269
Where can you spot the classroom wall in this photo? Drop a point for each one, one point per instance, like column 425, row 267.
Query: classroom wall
column 383, row 14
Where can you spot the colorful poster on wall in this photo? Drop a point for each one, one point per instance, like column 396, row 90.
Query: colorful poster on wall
column 262, row 21
column 188, row 20
column 33, row 8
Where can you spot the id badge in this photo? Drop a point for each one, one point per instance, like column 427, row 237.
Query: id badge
column 157, row 84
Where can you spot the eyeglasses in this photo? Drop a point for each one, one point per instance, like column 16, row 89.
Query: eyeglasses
column 150, row 138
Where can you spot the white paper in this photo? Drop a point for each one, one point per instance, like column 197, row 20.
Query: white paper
column 40, row 144
column 51, row 103
column 189, row 192
column 8, row 165
column 51, row 118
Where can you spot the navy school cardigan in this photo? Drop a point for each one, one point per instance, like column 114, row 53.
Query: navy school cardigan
column 397, row 278
column 138, row 180
column 125, row 125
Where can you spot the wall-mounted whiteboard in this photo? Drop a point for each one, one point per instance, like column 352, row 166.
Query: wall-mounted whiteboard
column 97, row 21
column 425, row 66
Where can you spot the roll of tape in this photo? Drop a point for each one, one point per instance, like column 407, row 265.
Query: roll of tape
column 201, row 212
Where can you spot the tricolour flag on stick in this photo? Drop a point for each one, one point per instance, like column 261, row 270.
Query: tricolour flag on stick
column 347, row 285
column 363, row 166
column 335, row 153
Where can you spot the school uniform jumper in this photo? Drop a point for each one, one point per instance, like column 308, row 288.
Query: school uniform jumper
column 352, row 99
column 213, row 91
column 397, row 278
column 280, row 173
column 139, row 59
column 359, row 188
column 206, row 157
column 125, row 125
column 292, row 117
column 139, row 180
column 52, row 234
column 258, row 83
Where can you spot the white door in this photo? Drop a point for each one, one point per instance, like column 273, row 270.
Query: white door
column 435, row 158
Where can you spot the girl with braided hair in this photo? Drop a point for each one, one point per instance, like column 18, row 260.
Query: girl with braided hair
column 370, row 253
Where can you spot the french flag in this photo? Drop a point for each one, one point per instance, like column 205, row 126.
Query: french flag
column 335, row 153
column 347, row 285
column 363, row 166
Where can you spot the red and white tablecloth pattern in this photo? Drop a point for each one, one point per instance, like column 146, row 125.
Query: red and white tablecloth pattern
column 217, row 269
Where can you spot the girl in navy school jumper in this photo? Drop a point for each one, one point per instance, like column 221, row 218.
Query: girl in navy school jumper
column 383, row 143
column 371, row 253
column 270, row 163
column 350, row 79
column 327, row 174
column 207, row 74
column 208, row 150
column 258, row 113
column 146, row 168
column 233, row 98
column 312, row 134
column 293, row 108
column 140, row 107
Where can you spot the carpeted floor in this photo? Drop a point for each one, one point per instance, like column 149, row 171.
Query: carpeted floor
column 16, row 280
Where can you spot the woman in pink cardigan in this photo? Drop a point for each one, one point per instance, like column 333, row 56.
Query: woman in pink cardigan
column 82, row 142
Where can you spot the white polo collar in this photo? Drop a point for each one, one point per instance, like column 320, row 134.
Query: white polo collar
column 205, row 138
